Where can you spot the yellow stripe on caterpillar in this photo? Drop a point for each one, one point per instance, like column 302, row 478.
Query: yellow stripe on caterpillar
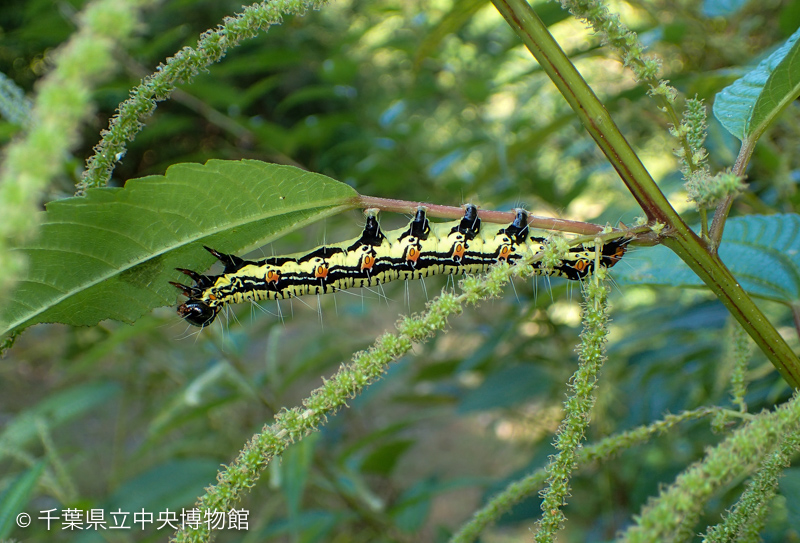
column 421, row 249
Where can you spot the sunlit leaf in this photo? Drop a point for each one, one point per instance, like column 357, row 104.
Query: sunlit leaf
column 450, row 22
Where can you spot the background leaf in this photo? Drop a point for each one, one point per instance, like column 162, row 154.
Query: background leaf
column 790, row 489
column 54, row 411
column 722, row 8
column 110, row 255
column 16, row 496
column 384, row 458
column 748, row 105
column 763, row 252
column 506, row 388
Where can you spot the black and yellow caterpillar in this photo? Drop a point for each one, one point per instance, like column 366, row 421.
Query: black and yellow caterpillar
column 419, row 250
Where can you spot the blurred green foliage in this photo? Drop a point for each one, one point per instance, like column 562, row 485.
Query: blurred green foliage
column 435, row 102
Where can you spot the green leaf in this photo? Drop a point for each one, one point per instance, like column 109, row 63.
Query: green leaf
column 170, row 485
column 789, row 486
column 109, row 255
column 507, row 387
column 383, row 459
column 459, row 14
column 762, row 252
column 414, row 505
column 296, row 463
column 55, row 410
column 747, row 106
column 16, row 497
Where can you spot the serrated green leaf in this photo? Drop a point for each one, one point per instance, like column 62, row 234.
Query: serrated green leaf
column 747, row 106
column 110, row 255
column 762, row 252
column 16, row 496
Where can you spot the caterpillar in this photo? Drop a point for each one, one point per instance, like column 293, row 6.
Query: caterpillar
column 419, row 250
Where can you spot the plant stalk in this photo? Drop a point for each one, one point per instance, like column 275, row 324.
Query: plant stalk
column 451, row 212
column 724, row 207
column 677, row 234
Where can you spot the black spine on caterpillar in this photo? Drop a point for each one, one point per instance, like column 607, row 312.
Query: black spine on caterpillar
column 470, row 225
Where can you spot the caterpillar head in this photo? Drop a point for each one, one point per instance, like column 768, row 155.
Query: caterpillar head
column 614, row 251
column 197, row 313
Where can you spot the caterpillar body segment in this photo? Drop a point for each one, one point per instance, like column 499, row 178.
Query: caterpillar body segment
column 421, row 249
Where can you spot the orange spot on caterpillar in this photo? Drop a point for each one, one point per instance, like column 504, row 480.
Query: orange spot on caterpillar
column 581, row 265
column 459, row 250
column 619, row 253
column 321, row 272
column 273, row 276
column 367, row 262
column 413, row 254
column 504, row 252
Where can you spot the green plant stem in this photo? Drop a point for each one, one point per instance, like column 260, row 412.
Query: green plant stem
column 678, row 236
column 180, row 68
column 603, row 450
column 673, row 514
column 724, row 207
column 577, row 407
column 588, row 107
column 704, row 223
column 746, row 520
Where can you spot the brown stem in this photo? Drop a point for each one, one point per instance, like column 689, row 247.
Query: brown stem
column 450, row 212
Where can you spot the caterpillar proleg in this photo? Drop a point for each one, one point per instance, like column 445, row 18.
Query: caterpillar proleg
column 421, row 249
